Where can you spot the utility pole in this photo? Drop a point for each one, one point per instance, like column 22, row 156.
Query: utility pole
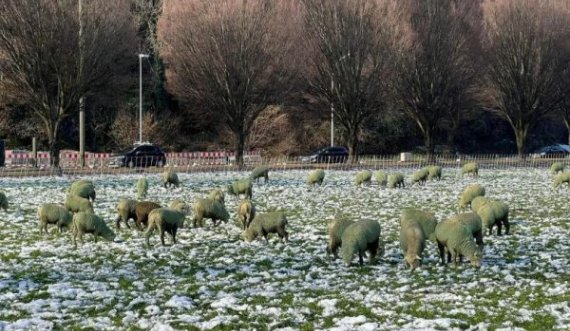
column 81, row 99
column 332, row 113
column 141, row 56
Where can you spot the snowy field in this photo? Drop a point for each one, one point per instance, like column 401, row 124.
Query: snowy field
column 211, row 279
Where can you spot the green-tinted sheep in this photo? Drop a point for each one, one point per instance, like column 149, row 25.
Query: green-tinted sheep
column 3, row 201
column 75, row 203
column 264, row 224
column 470, row 168
column 165, row 220
column 473, row 223
column 316, row 177
column 242, row 186
column 207, row 208
column 363, row 177
column 125, row 211
column 178, row 204
column 420, row 176
column 83, row 188
column 557, row 167
column 412, row 243
column 425, row 219
column 50, row 213
column 470, row 193
column 396, row 180
column 335, row 229
column 218, row 195
column 358, row 238
column 381, row 178
column 90, row 223
column 245, row 213
column 142, row 209
column 455, row 238
column 494, row 213
column 142, row 188
column 561, row 179
column 259, row 172
column 434, row 172
column 170, row 178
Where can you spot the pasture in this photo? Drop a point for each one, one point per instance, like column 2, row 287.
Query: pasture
column 213, row 280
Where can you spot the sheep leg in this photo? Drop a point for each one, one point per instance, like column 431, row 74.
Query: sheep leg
column 174, row 235
column 95, row 235
column 507, row 225
column 441, row 249
column 499, row 227
column 372, row 249
column 361, row 258
column 148, row 233
column 161, row 231
column 118, row 222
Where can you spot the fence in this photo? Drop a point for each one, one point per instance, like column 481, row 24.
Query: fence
column 19, row 164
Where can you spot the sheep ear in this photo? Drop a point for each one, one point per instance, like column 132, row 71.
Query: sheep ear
column 418, row 257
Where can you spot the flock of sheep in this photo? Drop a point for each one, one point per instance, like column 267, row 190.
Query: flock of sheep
column 459, row 236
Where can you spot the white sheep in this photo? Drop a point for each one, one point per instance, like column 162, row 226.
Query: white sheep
column 125, row 211
column 50, row 213
column 165, row 220
column 245, row 213
column 3, row 201
column 142, row 188
column 264, row 224
column 358, row 238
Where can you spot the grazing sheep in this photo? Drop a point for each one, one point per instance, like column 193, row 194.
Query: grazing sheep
column 412, row 243
column 245, row 213
column 493, row 213
column 473, row 223
column 258, row 172
column 170, row 178
column 179, row 205
column 470, row 193
column 90, row 223
column 426, row 221
column 207, row 208
column 557, row 167
column 264, row 224
column 3, row 201
column 562, row 178
column 455, row 238
column 396, row 180
column 243, row 186
column 470, row 168
column 165, row 220
column 83, row 188
column 316, row 177
column 360, row 237
column 381, row 178
column 434, row 172
column 363, row 177
column 477, row 202
column 420, row 176
column 125, row 211
column 50, row 213
column 142, row 188
column 75, row 203
column 142, row 209
column 335, row 229
column 218, row 195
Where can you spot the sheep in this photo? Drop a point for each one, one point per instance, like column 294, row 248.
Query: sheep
column 412, row 243
column 363, row 177
column 264, row 224
column 142, row 188
column 76, row 204
column 83, row 188
column 557, row 167
column 218, row 195
column 434, row 172
column 470, row 168
column 165, row 220
column 335, row 229
column 381, row 178
column 207, row 208
column 562, row 178
column 243, row 186
column 473, row 223
column 470, row 193
column 493, row 213
column 245, row 213
column 316, row 177
column 125, row 211
column 50, row 213
column 178, row 204
column 90, row 223
column 455, row 238
column 396, row 180
column 425, row 219
column 170, row 178
column 142, row 209
column 258, row 172
column 360, row 237
column 420, row 176
column 3, row 201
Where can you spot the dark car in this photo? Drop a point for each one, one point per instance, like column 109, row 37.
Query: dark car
column 327, row 155
column 143, row 155
column 554, row 151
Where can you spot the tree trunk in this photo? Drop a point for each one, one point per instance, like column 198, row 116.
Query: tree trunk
column 520, row 135
column 567, row 121
column 239, row 148
column 52, row 130
column 353, row 147
column 430, row 147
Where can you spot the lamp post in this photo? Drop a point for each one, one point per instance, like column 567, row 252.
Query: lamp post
column 332, row 113
column 141, row 56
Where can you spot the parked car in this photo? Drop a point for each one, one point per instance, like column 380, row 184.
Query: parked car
column 143, row 155
column 553, row 151
column 327, row 155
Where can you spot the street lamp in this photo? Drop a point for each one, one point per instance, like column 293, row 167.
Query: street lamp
column 332, row 113
column 141, row 56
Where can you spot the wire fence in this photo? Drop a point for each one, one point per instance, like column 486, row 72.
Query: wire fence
column 183, row 164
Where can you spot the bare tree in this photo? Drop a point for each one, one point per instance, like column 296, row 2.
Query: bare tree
column 436, row 75
column 353, row 42
column 525, row 61
column 229, row 58
column 39, row 39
